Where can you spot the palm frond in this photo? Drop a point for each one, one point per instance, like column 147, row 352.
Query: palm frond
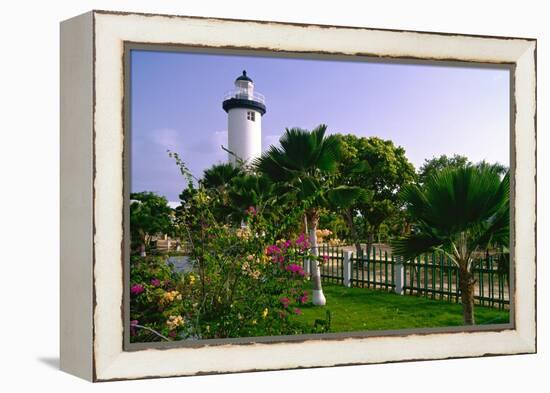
column 415, row 244
column 345, row 196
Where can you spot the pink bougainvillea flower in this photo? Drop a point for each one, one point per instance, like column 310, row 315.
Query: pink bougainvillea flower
column 297, row 311
column 273, row 249
column 172, row 333
column 155, row 282
column 252, row 210
column 302, row 242
column 285, row 301
column 136, row 289
column 133, row 324
column 294, row 268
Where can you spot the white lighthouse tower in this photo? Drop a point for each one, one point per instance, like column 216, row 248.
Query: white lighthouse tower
column 245, row 109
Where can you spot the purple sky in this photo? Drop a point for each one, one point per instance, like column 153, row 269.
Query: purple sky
column 429, row 110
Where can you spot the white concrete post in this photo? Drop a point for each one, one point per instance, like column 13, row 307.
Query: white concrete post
column 347, row 268
column 399, row 276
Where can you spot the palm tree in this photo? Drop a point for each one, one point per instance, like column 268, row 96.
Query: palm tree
column 460, row 212
column 220, row 175
column 303, row 163
column 251, row 190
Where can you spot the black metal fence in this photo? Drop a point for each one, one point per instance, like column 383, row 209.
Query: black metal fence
column 433, row 276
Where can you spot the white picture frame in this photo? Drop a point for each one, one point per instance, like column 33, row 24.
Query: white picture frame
column 93, row 189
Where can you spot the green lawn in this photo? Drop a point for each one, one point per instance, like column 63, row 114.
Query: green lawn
column 356, row 309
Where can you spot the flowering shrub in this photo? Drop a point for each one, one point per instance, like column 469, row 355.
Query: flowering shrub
column 242, row 285
column 159, row 299
column 245, row 281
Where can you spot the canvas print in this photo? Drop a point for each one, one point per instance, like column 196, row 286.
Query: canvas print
column 278, row 196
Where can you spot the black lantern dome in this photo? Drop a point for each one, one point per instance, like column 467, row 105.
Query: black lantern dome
column 244, row 96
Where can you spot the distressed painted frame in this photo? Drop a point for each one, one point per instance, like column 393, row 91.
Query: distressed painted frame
column 93, row 160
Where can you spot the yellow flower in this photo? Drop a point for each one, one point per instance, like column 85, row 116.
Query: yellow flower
column 254, row 322
column 243, row 233
column 245, row 267
column 170, row 296
column 191, row 279
column 174, row 321
column 265, row 312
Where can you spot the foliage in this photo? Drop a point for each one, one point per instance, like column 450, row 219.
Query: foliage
column 246, row 280
column 240, row 287
column 460, row 212
column 303, row 166
column 303, row 157
column 380, row 169
column 158, row 296
column 150, row 215
column 219, row 176
column 253, row 190
column 437, row 164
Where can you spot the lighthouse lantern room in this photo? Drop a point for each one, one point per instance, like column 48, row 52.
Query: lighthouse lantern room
column 245, row 109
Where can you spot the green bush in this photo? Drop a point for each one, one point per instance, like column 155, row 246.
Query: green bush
column 242, row 285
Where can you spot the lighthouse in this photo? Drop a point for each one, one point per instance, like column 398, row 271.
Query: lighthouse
column 245, row 109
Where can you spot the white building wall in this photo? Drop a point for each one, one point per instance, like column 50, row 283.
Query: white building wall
column 244, row 136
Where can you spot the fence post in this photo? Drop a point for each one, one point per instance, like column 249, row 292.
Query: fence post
column 347, row 268
column 399, row 276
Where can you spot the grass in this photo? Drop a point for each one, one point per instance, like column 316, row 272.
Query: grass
column 355, row 309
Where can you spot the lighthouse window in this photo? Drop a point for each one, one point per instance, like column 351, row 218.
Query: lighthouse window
column 251, row 116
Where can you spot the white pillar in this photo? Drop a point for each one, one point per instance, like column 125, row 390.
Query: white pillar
column 399, row 276
column 307, row 266
column 347, row 268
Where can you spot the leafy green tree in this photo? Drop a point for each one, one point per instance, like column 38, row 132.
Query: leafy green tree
column 303, row 163
column 439, row 163
column 379, row 168
column 459, row 212
column 436, row 164
column 335, row 223
column 343, row 199
column 150, row 215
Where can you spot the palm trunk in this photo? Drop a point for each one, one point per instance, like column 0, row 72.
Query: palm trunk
column 467, row 283
column 312, row 222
